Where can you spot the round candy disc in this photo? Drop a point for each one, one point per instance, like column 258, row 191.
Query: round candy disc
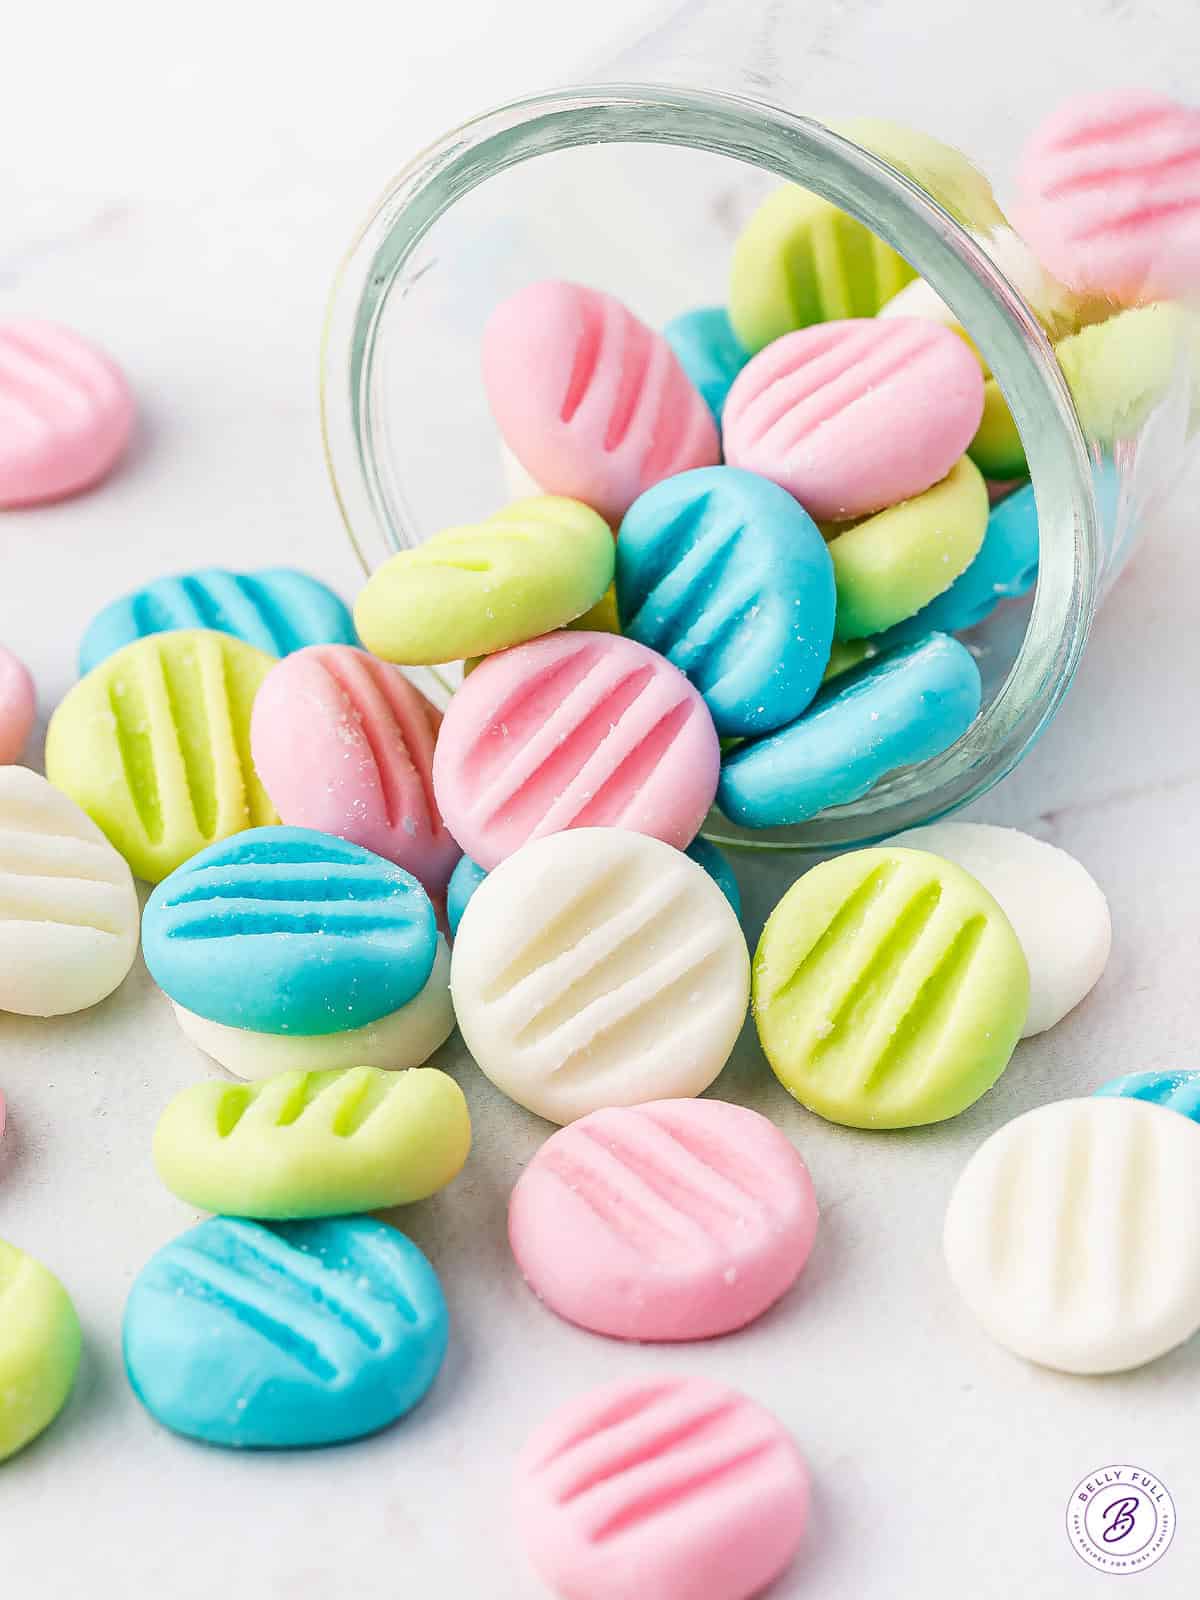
column 1070, row 1234
column 66, row 413
column 575, row 730
column 289, row 931
column 889, row 989
column 676, row 1488
column 680, row 1219
column 599, row 968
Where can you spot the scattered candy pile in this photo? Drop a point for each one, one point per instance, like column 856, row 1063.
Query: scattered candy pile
column 797, row 491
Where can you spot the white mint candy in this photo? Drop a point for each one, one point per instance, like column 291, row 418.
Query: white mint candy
column 599, row 967
column 1056, row 907
column 69, row 916
column 1072, row 1234
column 403, row 1038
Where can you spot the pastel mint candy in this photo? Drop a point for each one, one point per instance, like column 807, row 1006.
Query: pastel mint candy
column 276, row 609
column 896, row 709
column 1178, row 1091
column 709, row 352
column 728, row 576
column 468, row 875
column 284, row 930
column 294, row 1334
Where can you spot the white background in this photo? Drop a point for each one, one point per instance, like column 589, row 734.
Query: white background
column 181, row 185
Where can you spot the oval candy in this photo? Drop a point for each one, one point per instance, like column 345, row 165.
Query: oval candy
column 404, row 1038
column 888, row 712
column 597, row 968
column 362, row 767
column 890, row 565
column 66, row 413
column 576, row 730
column 313, row 1144
column 39, row 1348
column 298, row 1334
column 799, row 260
column 1178, row 1091
column 1108, row 194
column 530, row 568
column 889, row 989
column 1066, row 1234
column 727, row 576
column 853, row 416
column 284, row 930
column 676, row 1488
column 276, row 609
column 592, row 402
column 17, row 706
column 681, row 1219
column 154, row 744
column 69, row 913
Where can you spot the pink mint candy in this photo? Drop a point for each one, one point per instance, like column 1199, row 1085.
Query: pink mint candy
column 17, row 706
column 671, row 1488
column 854, row 416
column 592, row 402
column 680, row 1219
column 574, row 730
column 66, row 413
column 344, row 744
column 1108, row 195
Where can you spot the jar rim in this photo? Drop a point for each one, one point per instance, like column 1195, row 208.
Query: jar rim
column 799, row 150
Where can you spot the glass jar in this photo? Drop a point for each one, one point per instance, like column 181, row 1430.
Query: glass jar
column 638, row 183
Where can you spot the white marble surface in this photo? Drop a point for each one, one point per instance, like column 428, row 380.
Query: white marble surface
column 183, row 193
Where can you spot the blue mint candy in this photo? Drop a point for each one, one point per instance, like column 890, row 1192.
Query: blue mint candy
column 284, row 930
column 468, row 875
column 708, row 351
column 1178, row 1091
column 896, row 709
column 292, row 1334
column 464, row 880
column 726, row 575
column 277, row 610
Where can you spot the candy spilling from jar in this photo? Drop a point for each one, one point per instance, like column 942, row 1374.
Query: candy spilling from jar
column 749, row 545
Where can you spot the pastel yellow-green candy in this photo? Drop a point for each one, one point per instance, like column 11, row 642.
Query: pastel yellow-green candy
column 800, row 260
column 602, row 618
column 39, row 1348
column 889, row 565
column 1118, row 370
column 531, row 568
column 943, row 172
column 889, row 989
column 313, row 1144
column 154, row 744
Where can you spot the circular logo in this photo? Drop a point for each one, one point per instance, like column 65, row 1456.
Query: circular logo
column 1120, row 1518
